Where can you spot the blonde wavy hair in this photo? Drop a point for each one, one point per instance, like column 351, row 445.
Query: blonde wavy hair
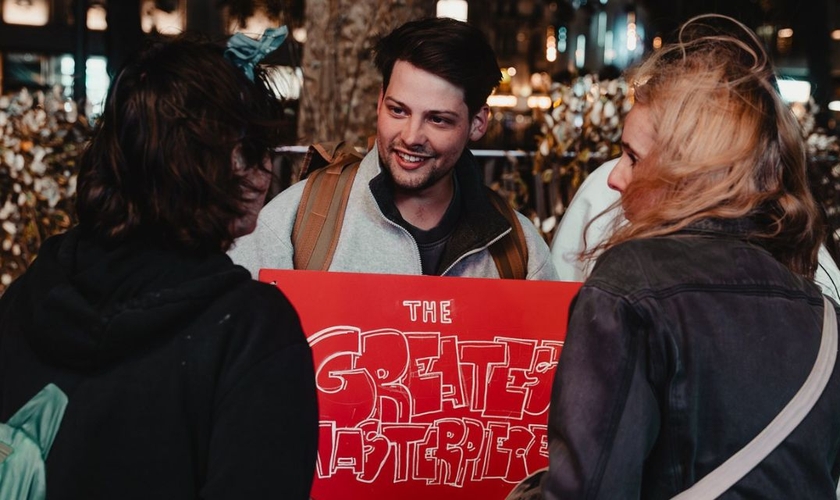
column 725, row 146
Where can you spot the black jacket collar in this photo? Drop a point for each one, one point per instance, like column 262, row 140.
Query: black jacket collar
column 741, row 228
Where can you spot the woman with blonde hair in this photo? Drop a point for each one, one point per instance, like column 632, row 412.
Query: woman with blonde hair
column 700, row 320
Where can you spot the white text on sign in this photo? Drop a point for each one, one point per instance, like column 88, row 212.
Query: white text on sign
column 429, row 311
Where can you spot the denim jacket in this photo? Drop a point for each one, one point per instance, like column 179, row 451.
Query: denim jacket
column 681, row 349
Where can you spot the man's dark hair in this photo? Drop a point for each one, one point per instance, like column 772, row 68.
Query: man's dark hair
column 159, row 163
column 453, row 50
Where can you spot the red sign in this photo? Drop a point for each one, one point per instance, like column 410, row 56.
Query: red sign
column 429, row 387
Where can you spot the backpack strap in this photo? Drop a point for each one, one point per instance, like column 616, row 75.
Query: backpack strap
column 331, row 169
column 510, row 253
column 715, row 483
column 324, row 154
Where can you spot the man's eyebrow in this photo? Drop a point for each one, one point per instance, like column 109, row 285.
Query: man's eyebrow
column 395, row 101
column 429, row 112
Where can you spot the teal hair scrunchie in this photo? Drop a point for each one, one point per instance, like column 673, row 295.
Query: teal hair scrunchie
column 246, row 53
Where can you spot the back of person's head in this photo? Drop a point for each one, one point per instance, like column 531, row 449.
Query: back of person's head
column 453, row 50
column 160, row 162
column 725, row 145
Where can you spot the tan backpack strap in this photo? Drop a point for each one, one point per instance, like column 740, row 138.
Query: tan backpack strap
column 320, row 214
column 322, row 154
column 510, row 253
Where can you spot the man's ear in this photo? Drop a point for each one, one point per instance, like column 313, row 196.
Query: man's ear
column 478, row 123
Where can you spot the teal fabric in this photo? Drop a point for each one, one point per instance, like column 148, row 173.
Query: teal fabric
column 246, row 53
column 25, row 442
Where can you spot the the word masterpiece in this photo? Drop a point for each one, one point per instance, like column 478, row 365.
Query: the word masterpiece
column 432, row 406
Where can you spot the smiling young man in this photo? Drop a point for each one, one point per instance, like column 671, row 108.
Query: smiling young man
column 417, row 204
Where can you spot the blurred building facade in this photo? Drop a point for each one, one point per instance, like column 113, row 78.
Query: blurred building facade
column 43, row 42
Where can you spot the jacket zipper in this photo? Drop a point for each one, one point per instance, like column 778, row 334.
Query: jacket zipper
column 474, row 251
column 414, row 243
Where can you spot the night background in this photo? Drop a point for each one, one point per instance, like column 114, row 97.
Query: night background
column 57, row 57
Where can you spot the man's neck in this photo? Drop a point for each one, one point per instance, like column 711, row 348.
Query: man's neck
column 425, row 209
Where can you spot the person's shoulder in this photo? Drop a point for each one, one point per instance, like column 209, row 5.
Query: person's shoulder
column 528, row 226
column 533, row 238
column 263, row 309
column 275, row 221
column 540, row 264
column 285, row 200
column 634, row 253
column 370, row 163
column 707, row 260
column 258, row 296
column 640, row 264
column 658, row 251
column 288, row 200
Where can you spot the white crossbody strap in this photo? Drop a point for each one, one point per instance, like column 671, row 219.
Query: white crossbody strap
column 739, row 464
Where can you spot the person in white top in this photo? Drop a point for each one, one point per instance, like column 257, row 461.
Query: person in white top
column 595, row 197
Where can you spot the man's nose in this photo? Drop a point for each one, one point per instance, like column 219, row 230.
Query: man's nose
column 413, row 132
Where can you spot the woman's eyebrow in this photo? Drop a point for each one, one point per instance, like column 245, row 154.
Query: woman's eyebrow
column 628, row 148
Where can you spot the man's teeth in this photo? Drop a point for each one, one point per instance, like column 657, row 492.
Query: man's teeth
column 410, row 158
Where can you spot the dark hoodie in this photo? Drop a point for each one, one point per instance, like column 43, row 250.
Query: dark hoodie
column 185, row 378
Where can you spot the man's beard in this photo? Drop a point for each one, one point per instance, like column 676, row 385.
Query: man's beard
column 415, row 183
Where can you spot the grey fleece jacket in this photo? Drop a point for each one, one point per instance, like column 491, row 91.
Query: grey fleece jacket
column 372, row 242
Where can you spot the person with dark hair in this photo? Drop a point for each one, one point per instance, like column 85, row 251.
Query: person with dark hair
column 183, row 377
column 694, row 347
column 417, row 204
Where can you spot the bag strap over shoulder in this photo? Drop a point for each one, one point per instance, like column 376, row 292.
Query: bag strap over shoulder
column 738, row 465
column 326, row 153
column 510, row 253
column 331, row 169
